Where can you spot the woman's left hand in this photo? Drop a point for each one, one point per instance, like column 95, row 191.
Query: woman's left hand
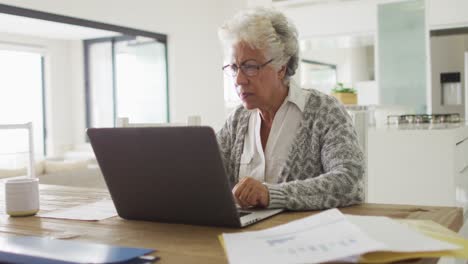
column 250, row 192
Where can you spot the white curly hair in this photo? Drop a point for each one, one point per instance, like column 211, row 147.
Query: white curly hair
column 267, row 30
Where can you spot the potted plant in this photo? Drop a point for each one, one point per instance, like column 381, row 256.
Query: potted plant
column 345, row 95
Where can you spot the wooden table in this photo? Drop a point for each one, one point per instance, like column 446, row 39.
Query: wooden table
column 178, row 243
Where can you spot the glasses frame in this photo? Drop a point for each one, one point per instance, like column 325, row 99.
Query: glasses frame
column 243, row 68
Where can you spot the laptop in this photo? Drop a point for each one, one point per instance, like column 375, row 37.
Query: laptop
column 169, row 174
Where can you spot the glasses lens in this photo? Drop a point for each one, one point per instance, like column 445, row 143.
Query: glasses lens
column 230, row 70
column 250, row 70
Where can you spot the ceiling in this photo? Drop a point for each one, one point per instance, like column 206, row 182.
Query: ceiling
column 47, row 29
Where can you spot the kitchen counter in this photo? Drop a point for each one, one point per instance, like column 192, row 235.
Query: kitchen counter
column 425, row 164
column 459, row 130
column 424, row 126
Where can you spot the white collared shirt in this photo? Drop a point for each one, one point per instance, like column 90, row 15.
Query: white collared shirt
column 266, row 166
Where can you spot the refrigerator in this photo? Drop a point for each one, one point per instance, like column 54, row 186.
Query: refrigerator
column 448, row 73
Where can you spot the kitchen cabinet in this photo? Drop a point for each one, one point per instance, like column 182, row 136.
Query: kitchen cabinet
column 425, row 164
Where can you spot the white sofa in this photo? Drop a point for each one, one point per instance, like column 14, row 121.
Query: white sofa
column 67, row 172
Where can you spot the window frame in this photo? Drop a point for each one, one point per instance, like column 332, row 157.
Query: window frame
column 126, row 31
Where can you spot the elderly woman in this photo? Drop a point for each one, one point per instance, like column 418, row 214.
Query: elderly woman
column 284, row 147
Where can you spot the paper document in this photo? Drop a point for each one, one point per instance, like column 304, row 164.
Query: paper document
column 431, row 229
column 323, row 237
column 328, row 236
column 397, row 237
column 88, row 212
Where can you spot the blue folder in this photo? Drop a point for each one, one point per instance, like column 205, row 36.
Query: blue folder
column 28, row 249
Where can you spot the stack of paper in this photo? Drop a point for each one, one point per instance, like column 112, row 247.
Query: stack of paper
column 96, row 211
column 331, row 236
column 428, row 228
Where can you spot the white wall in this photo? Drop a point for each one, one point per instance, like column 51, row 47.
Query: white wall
column 77, row 93
column 340, row 18
column 357, row 17
column 448, row 13
column 195, row 57
column 254, row 3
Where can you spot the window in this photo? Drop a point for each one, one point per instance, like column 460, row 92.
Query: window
column 126, row 77
column 318, row 75
column 21, row 101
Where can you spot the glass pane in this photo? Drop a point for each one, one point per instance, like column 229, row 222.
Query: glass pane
column 141, row 85
column 101, row 84
column 20, row 102
column 318, row 76
column 402, row 54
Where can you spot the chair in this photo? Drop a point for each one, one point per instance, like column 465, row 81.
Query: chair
column 194, row 120
column 28, row 126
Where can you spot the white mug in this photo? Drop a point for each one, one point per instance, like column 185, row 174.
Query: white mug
column 22, row 196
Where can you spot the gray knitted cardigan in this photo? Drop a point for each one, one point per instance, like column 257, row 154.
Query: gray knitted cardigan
column 324, row 168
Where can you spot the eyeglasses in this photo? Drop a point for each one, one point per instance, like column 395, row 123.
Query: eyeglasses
column 249, row 68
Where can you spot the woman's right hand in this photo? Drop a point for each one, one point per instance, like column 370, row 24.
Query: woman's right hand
column 251, row 193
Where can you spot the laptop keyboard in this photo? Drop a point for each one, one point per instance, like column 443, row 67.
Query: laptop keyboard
column 243, row 213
